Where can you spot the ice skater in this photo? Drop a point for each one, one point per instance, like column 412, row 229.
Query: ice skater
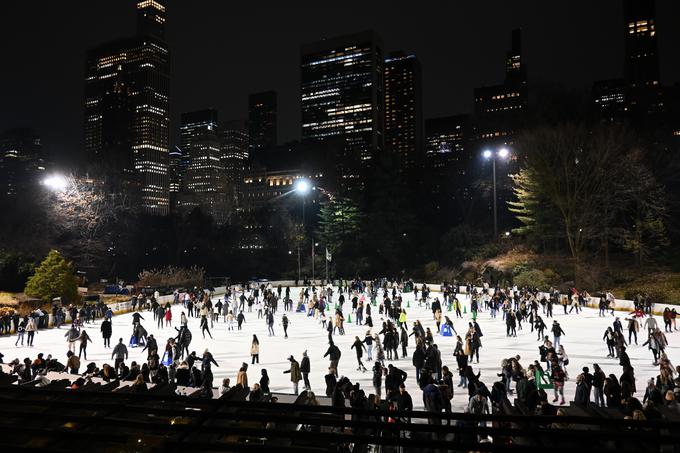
column 358, row 345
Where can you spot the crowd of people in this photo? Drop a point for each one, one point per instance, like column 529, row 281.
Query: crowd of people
column 380, row 349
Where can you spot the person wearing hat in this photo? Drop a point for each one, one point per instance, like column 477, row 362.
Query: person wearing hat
column 295, row 375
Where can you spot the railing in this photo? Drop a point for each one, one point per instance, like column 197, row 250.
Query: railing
column 58, row 420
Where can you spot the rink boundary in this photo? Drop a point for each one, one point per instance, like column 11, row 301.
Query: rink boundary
column 621, row 305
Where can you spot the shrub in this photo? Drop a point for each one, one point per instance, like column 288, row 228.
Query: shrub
column 430, row 269
column 172, row 276
column 531, row 278
column 662, row 288
column 658, row 295
column 53, row 278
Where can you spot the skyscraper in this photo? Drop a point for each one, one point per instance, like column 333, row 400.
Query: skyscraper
column 235, row 144
column 205, row 178
column 499, row 109
column 447, row 157
column 262, row 111
column 342, row 95
column 403, row 110
column 22, row 161
column 609, row 98
column 175, row 177
column 638, row 96
column 500, row 112
column 127, row 89
column 641, row 66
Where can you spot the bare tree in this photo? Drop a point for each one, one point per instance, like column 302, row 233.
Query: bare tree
column 586, row 178
column 85, row 218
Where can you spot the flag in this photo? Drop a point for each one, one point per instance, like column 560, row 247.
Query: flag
column 328, row 255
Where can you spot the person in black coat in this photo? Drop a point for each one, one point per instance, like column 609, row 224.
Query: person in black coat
column 418, row 361
column 331, row 382
column 264, row 382
column 106, row 332
column 305, row 369
column 582, row 395
column 183, row 375
column 404, row 400
column 395, row 377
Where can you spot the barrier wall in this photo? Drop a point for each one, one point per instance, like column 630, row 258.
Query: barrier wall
column 592, row 302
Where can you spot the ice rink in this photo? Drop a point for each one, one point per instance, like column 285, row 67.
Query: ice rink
column 582, row 341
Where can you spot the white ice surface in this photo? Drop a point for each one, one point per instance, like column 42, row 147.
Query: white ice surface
column 582, row 341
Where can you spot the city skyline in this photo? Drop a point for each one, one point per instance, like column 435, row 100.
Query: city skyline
column 57, row 120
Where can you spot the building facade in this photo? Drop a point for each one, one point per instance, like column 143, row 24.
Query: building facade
column 403, row 111
column 499, row 109
column 235, row 145
column 447, row 155
column 205, row 179
column 262, row 124
column 342, row 96
column 127, row 103
column 22, row 161
column 641, row 66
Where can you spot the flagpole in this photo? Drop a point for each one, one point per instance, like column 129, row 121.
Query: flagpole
column 326, row 261
column 312, row 261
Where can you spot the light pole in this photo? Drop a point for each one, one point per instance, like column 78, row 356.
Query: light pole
column 302, row 187
column 503, row 153
column 314, row 244
column 331, row 198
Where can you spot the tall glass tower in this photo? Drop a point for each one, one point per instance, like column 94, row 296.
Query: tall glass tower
column 342, row 95
column 127, row 104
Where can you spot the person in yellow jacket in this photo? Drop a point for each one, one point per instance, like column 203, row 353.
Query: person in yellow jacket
column 402, row 317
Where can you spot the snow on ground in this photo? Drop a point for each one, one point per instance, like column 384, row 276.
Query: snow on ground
column 582, row 341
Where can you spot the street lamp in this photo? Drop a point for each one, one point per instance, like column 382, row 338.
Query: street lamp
column 501, row 153
column 302, row 187
column 55, row 183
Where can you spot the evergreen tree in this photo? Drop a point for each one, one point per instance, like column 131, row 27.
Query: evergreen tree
column 340, row 222
column 53, row 278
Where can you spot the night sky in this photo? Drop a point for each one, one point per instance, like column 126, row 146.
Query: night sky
column 223, row 50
